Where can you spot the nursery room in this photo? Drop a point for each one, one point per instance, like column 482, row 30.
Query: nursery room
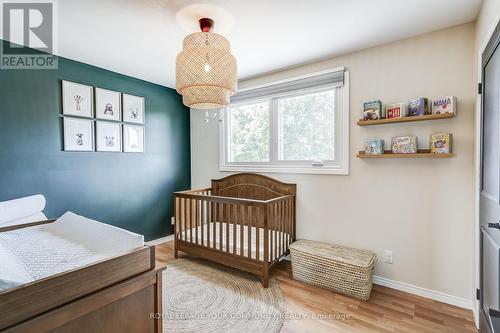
column 249, row 166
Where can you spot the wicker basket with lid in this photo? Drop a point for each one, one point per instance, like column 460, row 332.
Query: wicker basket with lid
column 342, row 269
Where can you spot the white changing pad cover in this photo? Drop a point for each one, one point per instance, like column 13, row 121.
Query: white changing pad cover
column 70, row 242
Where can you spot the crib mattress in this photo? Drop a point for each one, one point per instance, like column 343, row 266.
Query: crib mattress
column 72, row 241
column 231, row 228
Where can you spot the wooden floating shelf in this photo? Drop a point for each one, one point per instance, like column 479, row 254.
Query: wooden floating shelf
column 421, row 153
column 405, row 119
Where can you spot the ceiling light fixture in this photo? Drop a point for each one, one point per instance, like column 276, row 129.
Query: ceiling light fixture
column 206, row 71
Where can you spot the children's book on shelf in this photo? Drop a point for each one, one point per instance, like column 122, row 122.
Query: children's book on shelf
column 374, row 147
column 418, row 107
column 441, row 143
column 373, row 110
column 396, row 110
column 404, row 144
column 443, row 105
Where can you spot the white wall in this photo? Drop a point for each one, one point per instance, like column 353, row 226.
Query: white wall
column 489, row 17
column 486, row 21
column 421, row 209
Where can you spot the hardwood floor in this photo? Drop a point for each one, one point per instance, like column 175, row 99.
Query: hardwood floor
column 314, row 309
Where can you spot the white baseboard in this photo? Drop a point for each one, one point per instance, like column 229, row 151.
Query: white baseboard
column 419, row 291
column 411, row 289
column 158, row 241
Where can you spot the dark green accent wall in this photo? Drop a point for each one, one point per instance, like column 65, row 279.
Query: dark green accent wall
column 131, row 191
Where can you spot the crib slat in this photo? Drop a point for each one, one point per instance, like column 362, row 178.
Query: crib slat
column 208, row 211
column 199, row 208
column 221, row 221
column 214, row 225
column 209, row 218
column 283, row 226
column 249, row 230
column 280, row 228
column 182, row 207
column 234, row 221
column 265, row 222
column 183, row 218
column 285, row 247
column 271, row 228
column 275, row 231
column 195, row 218
column 243, row 218
column 260, row 221
column 202, row 221
column 215, row 215
column 189, row 219
column 282, row 214
column 286, row 226
column 227, row 211
column 271, row 233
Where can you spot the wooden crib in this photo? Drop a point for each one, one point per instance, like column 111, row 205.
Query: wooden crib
column 227, row 222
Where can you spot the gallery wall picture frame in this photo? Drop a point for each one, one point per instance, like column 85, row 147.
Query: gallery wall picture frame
column 78, row 134
column 78, row 99
column 108, row 104
column 134, row 108
column 108, row 136
column 133, row 138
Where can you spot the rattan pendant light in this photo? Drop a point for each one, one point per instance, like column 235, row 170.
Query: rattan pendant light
column 206, row 72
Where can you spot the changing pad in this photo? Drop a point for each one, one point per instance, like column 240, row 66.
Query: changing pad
column 70, row 242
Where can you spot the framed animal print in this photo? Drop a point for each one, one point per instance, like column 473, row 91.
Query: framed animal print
column 108, row 104
column 109, row 136
column 133, row 109
column 133, row 139
column 78, row 134
column 78, row 99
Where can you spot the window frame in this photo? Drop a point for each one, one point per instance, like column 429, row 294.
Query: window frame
column 339, row 166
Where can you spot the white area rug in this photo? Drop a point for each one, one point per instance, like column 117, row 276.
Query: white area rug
column 200, row 297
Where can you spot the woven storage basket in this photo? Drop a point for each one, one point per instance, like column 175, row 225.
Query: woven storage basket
column 341, row 269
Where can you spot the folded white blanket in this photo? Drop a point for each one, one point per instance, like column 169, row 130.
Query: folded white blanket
column 22, row 210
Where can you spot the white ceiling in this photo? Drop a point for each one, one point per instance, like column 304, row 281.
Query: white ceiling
column 141, row 38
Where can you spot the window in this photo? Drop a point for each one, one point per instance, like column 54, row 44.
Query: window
column 306, row 127
column 304, row 130
column 249, row 132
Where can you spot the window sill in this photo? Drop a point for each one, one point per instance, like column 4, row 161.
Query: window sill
column 283, row 169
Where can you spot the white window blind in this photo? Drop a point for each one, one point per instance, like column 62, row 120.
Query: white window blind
column 333, row 77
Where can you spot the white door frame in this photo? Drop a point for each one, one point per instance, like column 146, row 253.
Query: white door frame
column 477, row 163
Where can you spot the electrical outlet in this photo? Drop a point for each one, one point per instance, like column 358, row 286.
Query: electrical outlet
column 172, row 220
column 388, row 256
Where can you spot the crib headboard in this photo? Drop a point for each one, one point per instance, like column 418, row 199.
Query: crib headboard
column 251, row 186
